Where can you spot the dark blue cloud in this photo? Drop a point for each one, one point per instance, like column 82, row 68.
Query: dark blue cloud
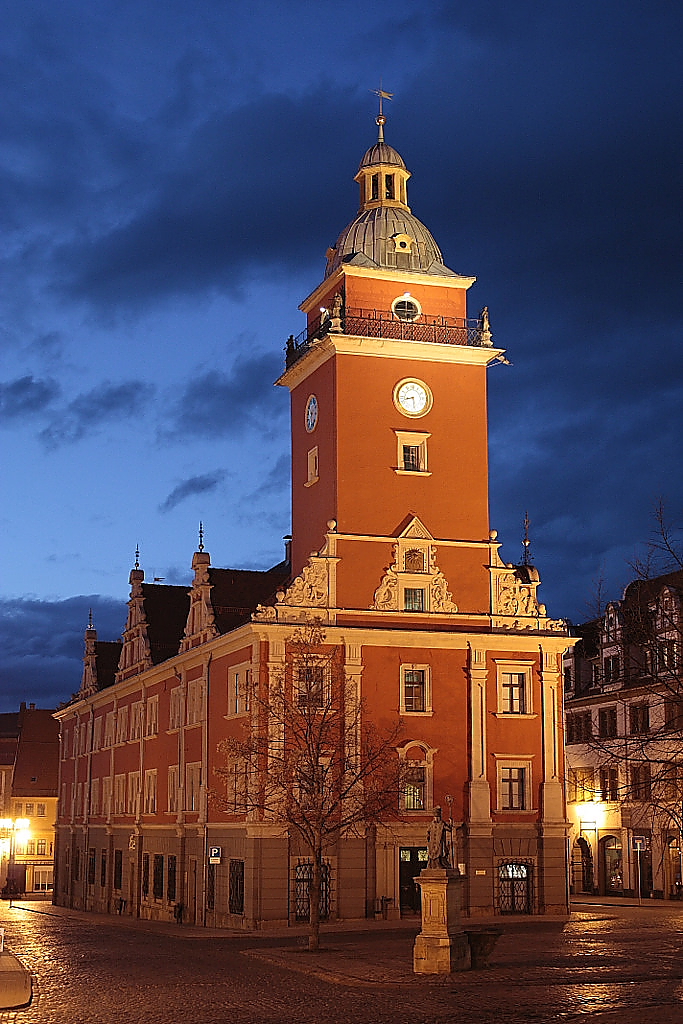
column 204, row 483
column 26, row 397
column 89, row 411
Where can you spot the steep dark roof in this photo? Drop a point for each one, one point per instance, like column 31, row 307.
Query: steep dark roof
column 237, row 592
column 166, row 611
column 107, row 654
column 37, row 763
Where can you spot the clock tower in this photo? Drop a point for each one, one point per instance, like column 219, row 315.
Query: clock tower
column 388, row 382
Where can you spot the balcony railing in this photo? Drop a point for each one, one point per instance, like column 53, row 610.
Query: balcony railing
column 378, row 323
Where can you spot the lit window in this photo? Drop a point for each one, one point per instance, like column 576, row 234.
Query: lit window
column 513, row 687
column 415, row 689
column 414, row 789
column 406, row 308
column 512, row 781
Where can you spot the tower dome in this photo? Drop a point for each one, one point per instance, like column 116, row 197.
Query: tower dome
column 385, row 233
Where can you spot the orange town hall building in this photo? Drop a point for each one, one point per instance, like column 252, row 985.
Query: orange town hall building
column 393, row 553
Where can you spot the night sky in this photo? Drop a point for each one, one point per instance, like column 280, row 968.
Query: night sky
column 171, row 177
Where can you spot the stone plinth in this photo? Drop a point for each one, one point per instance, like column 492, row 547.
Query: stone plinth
column 441, row 946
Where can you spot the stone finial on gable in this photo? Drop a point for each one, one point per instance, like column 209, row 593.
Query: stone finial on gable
column 201, row 620
column 89, row 684
column 135, row 652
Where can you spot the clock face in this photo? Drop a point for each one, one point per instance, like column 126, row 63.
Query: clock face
column 311, row 413
column 413, row 397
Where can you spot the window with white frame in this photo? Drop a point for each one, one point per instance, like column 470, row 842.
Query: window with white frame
column 122, row 724
column 106, row 796
column 416, row 697
column 416, row 777
column 152, row 716
column 311, row 684
column 581, row 785
column 151, row 791
column 514, row 687
column 83, row 738
column 415, row 599
column 95, row 797
column 239, row 685
column 97, row 733
column 109, row 729
column 411, row 454
column 41, row 810
column 195, row 702
column 79, row 800
column 237, row 786
column 175, row 710
column 137, row 718
column 133, row 800
column 119, row 794
column 173, row 788
column 514, row 785
column 193, row 779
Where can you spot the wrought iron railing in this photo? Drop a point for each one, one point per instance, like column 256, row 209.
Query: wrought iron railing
column 377, row 323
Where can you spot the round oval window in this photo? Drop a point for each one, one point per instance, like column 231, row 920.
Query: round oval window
column 405, row 309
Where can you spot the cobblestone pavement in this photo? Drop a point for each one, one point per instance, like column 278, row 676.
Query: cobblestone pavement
column 609, row 964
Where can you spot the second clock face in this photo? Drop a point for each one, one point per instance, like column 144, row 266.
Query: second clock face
column 311, row 413
column 413, row 397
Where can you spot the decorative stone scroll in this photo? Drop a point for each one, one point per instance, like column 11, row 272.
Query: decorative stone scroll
column 386, row 597
column 309, row 590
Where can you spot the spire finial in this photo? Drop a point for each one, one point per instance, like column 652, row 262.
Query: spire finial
column 137, row 556
column 381, row 119
column 90, row 621
column 526, row 543
column 201, row 535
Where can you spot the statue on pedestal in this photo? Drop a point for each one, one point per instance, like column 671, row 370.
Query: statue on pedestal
column 438, row 843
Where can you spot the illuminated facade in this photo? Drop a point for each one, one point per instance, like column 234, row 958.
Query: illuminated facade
column 29, row 749
column 392, row 552
column 624, row 720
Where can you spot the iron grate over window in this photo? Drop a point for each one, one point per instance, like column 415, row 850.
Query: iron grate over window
column 303, row 875
column 236, row 891
column 514, row 880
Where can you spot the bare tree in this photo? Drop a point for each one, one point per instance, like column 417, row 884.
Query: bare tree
column 310, row 758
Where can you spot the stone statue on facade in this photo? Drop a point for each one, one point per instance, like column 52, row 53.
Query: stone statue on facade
column 438, row 844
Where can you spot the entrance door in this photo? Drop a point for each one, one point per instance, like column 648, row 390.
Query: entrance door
column 412, row 859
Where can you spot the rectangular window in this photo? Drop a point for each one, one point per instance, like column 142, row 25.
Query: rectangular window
column 133, row 799
column 30, row 810
column 118, row 869
column 92, row 855
column 158, row 877
column 311, row 686
column 312, row 467
column 414, row 599
column 673, row 715
column 152, row 722
column 237, row 786
column 193, row 776
column 122, row 724
column 210, row 886
column 171, row 879
column 513, row 784
column 41, row 810
column 137, row 720
column 641, row 785
column 175, row 711
column 236, row 887
column 579, row 727
column 415, row 696
column 103, row 869
column 612, row 668
column 97, row 733
column 513, row 692
column 95, row 797
column 195, row 702
column 411, row 452
column 609, row 785
column 173, row 788
column 607, row 723
column 106, row 796
column 415, row 788
column 581, row 784
column 239, row 685
column 639, row 719
column 120, row 794
column 145, row 875
column 389, row 186
column 151, row 791
column 109, row 727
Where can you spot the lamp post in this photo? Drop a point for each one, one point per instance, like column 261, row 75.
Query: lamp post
column 12, row 831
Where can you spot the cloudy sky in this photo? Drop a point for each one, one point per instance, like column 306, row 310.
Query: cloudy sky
column 171, row 177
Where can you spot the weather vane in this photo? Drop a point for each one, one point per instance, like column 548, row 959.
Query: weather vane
column 381, row 119
column 201, row 535
column 137, row 556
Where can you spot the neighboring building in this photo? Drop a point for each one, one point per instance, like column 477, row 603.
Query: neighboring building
column 29, row 763
column 624, row 719
column 392, row 552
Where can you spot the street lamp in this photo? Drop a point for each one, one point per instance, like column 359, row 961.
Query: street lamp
column 12, row 831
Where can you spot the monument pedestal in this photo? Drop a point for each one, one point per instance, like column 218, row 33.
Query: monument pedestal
column 441, row 947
